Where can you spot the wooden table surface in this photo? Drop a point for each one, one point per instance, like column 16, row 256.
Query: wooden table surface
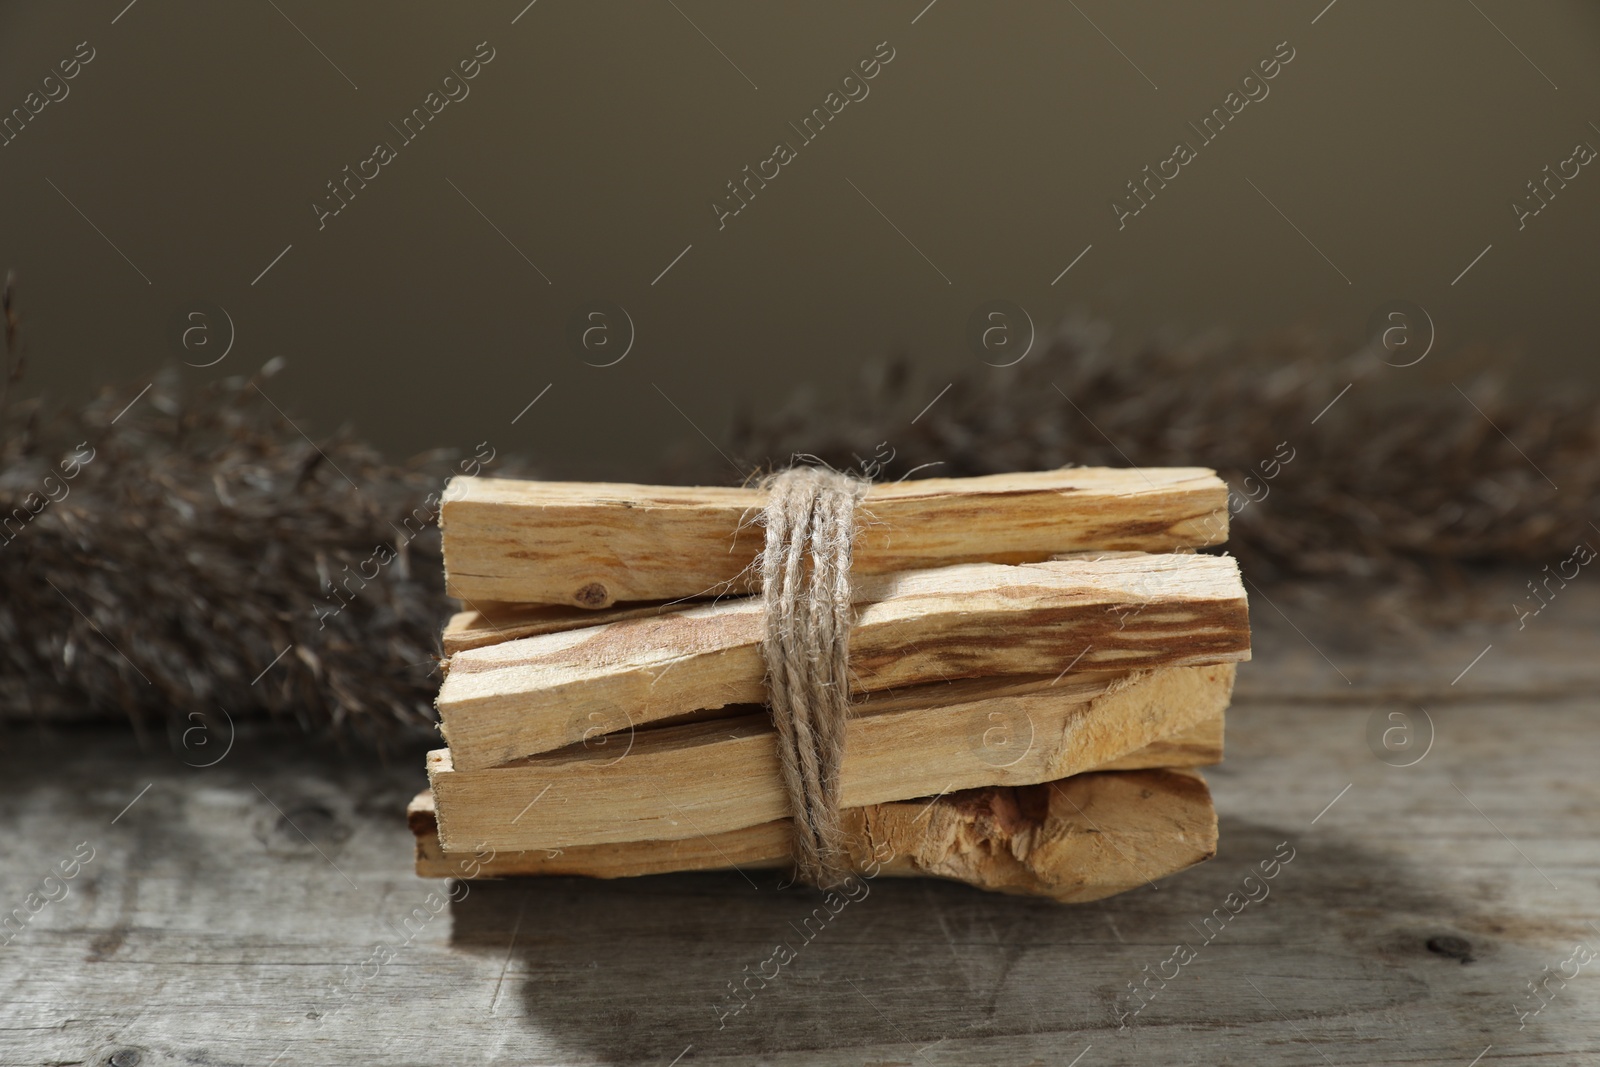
column 254, row 911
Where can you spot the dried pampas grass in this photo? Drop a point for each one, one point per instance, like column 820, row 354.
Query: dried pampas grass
column 189, row 564
column 1401, row 478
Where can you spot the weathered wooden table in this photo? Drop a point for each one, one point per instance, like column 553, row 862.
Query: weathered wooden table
column 263, row 910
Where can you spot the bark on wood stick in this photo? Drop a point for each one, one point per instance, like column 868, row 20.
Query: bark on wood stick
column 1074, row 840
column 709, row 777
column 592, row 544
column 517, row 698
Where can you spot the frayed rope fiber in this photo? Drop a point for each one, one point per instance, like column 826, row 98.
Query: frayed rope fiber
column 810, row 518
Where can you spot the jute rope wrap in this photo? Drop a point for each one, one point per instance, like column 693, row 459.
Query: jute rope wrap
column 805, row 583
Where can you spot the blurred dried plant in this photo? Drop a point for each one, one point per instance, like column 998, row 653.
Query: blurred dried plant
column 1393, row 482
column 180, row 569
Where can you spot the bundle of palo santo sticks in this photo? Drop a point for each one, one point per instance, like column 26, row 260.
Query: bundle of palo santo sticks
column 1037, row 665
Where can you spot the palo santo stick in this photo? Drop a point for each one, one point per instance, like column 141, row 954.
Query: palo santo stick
column 1075, row 840
column 592, row 544
column 710, row 777
column 517, row 698
column 762, row 846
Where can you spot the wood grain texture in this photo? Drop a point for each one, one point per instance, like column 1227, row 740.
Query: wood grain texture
column 232, row 915
column 1369, row 642
column 763, row 846
column 1047, row 840
column 593, row 544
column 489, row 623
column 517, row 698
column 712, row 777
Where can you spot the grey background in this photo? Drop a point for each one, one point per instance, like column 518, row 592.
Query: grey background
column 597, row 139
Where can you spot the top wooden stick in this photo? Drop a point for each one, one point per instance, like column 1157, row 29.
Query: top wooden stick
column 594, row 544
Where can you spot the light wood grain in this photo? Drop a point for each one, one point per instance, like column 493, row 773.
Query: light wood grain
column 489, row 623
column 516, row 698
column 1049, row 840
column 705, row 778
column 593, row 544
column 763, row 846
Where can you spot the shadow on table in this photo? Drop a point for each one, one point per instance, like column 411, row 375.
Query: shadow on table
column 640, row 969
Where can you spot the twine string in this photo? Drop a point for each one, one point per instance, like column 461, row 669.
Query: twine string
column 810, row 520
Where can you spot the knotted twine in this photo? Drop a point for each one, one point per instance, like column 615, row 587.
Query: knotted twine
column 810, row 518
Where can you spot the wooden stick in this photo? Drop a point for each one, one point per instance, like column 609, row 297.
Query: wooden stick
column 1075, row 840
column 701, row 778
column 489, row 622
column 592, row 544
column 516, row 698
